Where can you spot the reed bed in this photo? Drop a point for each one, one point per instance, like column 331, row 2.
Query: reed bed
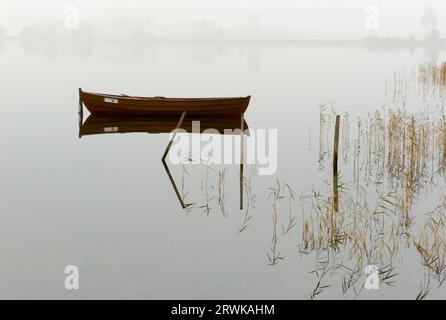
column 390, row 161
column 403, row 151
column 398, row 160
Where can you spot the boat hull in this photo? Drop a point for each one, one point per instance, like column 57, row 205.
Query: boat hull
column 98, row 103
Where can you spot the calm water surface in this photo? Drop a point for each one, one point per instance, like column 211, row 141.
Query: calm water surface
column 105, row 203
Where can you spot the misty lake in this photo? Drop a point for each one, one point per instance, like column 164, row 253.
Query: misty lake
column 105, row 203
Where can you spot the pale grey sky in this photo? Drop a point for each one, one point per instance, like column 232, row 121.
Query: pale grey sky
column 291, row 18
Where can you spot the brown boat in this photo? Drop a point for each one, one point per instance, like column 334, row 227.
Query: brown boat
column 98, row 103
column 108, row 124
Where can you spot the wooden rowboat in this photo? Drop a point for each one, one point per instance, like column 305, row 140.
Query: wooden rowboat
column 98, row 103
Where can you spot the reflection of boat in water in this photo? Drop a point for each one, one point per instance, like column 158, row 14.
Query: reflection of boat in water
column 103, row 124
column 98, row 103
column 107, row 124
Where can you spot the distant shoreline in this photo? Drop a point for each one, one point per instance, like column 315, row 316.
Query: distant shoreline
column 395, row 43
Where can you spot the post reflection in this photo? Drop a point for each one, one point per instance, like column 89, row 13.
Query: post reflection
column 109, row 125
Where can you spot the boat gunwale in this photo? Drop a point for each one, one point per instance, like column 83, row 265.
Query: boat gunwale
column 132, row 98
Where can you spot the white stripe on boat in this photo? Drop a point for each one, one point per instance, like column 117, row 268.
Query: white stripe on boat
column 111, row 129
column 110, row 100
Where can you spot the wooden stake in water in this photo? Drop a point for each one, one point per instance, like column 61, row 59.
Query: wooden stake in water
column 81, row 109
column 242, row 120
column 173, row 184
column 169, row 145
column 80, row 112
column 335, row 166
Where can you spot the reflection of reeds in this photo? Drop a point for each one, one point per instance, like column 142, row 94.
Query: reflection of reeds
column 205, row 190
column 221, row 191
column 320, row 272
column 387, row 275
column 432, row 78
column 213, row 192
column 346, row 137
column 278, row 193
column 431, row 243
column 322, row 125
column 350, row 280
column 326, row 114
column 274, row 254
column 357, row 236
column 184, row 193
column 251, row 199
column 289, row 195
column 424, row 289
column 427, row 81
column 189, row 206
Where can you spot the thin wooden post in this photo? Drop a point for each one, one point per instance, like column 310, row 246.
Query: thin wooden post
column 81, row 122
column 242, row 120
column 81, row 110
column 169, row 145
column 335, row 166
column 173, row 185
